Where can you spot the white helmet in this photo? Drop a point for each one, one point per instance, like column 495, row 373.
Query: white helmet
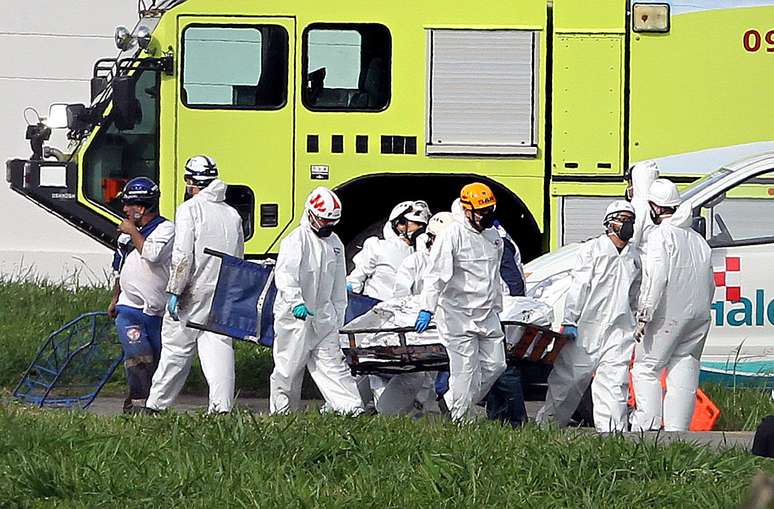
column 201, row 169
column 664, row 193
column 419, row 213
column 401, row 209
column 439, row 222
column 618, row 206
column 324, row 204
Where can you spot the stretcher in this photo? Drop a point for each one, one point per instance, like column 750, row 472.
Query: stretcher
column 383, row 341
column 534, row 344
column 73, row 364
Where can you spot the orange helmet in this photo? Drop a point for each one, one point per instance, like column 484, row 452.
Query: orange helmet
column 477, row 196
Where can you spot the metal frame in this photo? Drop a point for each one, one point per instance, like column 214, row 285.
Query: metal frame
column 45, row 400
column 405, row 358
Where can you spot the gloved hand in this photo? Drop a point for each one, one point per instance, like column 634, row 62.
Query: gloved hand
column 349, row 288
column 423, row 321
column 301, row 312
column 639, row 331
column 569, row 330
column 172, row 306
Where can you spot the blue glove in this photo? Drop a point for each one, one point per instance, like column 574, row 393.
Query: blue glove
column 569, row 330
column 423, row 321
column 349, row 288
column 172, row 306
column 301, row 312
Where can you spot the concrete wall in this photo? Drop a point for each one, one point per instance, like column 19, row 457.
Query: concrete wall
column 48, row 48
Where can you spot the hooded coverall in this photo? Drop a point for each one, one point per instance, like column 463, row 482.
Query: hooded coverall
column 203, row 221
column 600, row 303
column 311, row 270
column 675, row 303
column 462, row 282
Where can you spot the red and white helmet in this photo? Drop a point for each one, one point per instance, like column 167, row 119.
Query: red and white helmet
column 323, row 203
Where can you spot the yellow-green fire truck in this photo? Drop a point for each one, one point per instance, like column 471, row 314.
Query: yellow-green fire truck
column 387, row 101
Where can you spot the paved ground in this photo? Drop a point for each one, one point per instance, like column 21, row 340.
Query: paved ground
column 716, row 439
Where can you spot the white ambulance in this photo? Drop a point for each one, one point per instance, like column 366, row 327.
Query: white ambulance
column 733, row 207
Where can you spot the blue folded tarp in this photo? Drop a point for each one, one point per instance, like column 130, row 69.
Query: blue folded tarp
column 242, row 307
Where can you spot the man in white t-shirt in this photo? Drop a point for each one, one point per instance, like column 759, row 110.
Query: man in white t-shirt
column 141, row 264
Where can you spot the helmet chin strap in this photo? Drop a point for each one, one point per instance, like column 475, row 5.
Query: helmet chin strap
column 474, row 223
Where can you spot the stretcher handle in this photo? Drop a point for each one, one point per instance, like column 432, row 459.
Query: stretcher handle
column 213, row 252
column 525, row 324
column 396, row 330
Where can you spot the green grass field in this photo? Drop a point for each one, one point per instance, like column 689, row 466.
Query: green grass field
column 58, row 458
column 75, row 459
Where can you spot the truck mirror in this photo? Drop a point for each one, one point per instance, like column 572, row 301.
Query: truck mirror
column 125, row 104
column 57, row 116
column 75, row 114
column 98, row 85
column 700, row 226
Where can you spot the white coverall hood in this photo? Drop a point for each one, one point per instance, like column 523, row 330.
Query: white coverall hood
column 600, row 302
column 388, row 233
column 216, row 191
column 675, row 305
column 643, row 175
column 683, row 217
column 457, row 211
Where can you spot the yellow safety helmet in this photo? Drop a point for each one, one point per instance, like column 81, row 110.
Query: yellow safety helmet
column 477, row 196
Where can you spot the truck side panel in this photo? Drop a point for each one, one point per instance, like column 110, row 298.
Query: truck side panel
column 704, row 84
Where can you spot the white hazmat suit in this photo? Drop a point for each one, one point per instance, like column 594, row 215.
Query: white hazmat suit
column 374, row 275
column 203, row 221
column 462, row 282
column 311, row 270
column 600, row 303
column 401, row 392
column 377, row 263
column 675, row 303
column 411, row 272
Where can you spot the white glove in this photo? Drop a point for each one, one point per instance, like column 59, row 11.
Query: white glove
column 639, row 331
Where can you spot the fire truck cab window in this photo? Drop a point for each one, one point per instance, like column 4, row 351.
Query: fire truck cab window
column 347, row 67
column 115, row 156
column 235, row 67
